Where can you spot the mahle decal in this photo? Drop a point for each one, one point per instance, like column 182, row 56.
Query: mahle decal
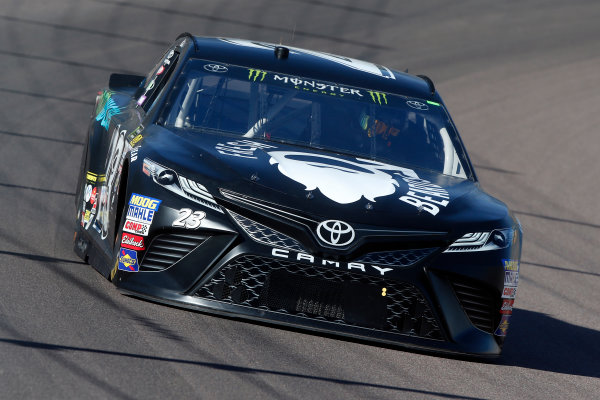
column 253, row 74
column 378, row 97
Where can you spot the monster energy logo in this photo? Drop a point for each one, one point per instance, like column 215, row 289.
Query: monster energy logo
column 377, row 97
column 255, row 73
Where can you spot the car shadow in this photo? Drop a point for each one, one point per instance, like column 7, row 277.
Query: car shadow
column 539, row 341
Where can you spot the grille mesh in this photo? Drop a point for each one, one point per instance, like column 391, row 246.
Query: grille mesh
column 264, row 234
column 479, row 303
column 398, row 258
column 166, row 249
column 245, row 281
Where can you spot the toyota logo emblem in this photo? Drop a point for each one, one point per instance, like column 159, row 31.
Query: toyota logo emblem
column 335, row 233
column 418, row 105
column 215, row 68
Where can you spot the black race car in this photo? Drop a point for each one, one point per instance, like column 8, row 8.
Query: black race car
column 299, row 188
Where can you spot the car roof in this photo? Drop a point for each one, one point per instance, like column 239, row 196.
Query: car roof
column 312, row 64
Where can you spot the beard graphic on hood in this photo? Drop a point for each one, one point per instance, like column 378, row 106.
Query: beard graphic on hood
column 338, row 179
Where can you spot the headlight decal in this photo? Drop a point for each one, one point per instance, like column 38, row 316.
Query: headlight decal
column 482, row 241
column 179, row 184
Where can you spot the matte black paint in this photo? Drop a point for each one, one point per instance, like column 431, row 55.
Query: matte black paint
column 470, row 209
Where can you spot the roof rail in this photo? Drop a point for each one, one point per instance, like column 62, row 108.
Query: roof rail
column 192, row 38
column 429, row 82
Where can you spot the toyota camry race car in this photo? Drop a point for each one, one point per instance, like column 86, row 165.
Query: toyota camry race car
column 299, row 188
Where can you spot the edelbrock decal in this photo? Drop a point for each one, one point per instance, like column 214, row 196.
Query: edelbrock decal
column 345, row 181
column 133, row 242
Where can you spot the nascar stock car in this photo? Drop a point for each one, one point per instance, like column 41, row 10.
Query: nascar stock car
column 298, row 188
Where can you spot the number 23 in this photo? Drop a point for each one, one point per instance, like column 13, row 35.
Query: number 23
column 189, row 219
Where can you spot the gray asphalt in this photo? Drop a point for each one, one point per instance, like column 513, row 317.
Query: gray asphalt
column 521, row 80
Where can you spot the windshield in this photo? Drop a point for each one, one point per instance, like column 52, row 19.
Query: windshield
column 253, row 103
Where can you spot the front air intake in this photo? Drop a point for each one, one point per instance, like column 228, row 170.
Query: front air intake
column 478, row 301
column 167, row 249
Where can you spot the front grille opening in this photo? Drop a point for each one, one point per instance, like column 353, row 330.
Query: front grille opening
column 480, row 302
column 167, row 249
column 325, row 294
column 397, row 258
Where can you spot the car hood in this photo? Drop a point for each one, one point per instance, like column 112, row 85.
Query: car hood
column 327, row 185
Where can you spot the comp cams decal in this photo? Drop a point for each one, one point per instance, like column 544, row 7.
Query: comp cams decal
column 138, row 228
column 345, row 181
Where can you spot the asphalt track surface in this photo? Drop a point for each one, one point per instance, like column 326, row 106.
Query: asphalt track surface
column 521, row 80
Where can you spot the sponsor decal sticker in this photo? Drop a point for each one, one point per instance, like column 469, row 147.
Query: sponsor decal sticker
column 317, row 87
column 93, row 196
column 417, row 105
column 134, row 154
column 114, row 270
column 136, row 227
column 142, row 208
column 131, row 241
column 87, row 193
column 254, row 74
column 509, row 292
column 128, row 260
column 378, row 97
column 91, row 177
column 503, row 326
column 507, row 306
column 511, row 272
column 216, row 68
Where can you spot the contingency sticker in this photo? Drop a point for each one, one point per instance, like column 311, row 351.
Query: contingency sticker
column 128, row 260
column 142, row 208
column 133, row 242
column 511, row 273
column 138, row 228
column 503, row 327
column 511, row 280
